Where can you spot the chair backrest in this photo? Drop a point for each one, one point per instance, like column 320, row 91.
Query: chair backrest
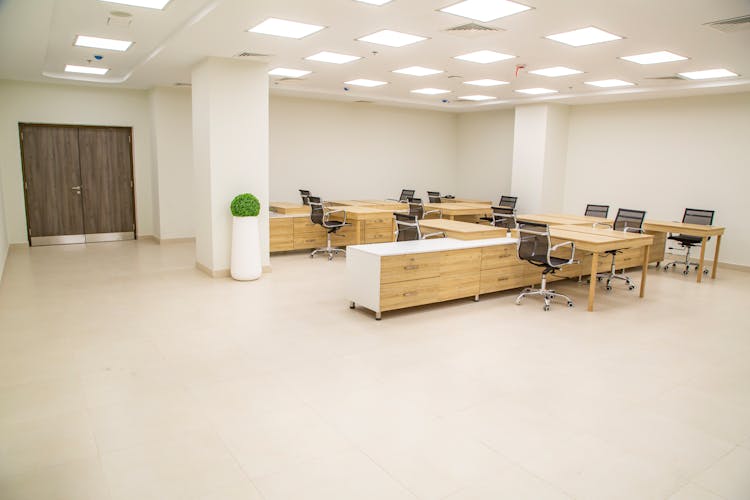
column 416, row 208
column 406, row 194
column 407, row 227
column 629, row 218
column 503, row 217
column 316, row 210
column 597, row 210
column 434, row 196
column 305, row 194
column 508, row 201
column 533, row 242
column 698, row 216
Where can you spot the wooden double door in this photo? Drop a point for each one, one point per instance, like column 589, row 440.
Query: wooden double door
column 78, row 183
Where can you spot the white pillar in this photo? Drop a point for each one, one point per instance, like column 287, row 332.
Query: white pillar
column 230, row 154
column 540, row 148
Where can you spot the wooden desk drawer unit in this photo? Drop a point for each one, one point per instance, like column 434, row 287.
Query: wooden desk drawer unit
column 281, row 234
column 378, row 231
column 499, row 256
column 409, row 267
column 408, row 293
column 459, row 273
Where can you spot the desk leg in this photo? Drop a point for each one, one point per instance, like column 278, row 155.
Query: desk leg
column 716, row 258
column 449, row 217
column 700, row 262
column 592, row 279
column 644, row 269
column 358, row 232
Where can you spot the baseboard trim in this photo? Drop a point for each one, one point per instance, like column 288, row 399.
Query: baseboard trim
column 223, row 273
column 708, row 263
column 147, row 237
column 18, row 245
column 267, row 269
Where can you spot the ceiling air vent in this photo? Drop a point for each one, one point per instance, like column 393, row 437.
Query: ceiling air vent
column 731, row 25
column 472, row 30
column 363, row 102
column 251, row 54
column 183, row 84
column 670, row 77
column 119, row 18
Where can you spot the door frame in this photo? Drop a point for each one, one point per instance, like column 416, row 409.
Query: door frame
column 21, row 126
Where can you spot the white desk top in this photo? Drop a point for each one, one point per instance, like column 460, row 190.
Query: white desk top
column 429, row 245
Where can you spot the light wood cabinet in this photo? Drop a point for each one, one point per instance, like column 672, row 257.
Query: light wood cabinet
column 281, row 234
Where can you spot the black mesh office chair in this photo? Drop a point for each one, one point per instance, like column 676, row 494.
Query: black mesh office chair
column 508, row 201
column 416, row 208
column 535, row 247
column 597, row 211
column 629, row 221
column 407, row 228
column 321, row 216
column 434, row 196
column 405, row 195
column 305, row 194
column 686, row 242
column 503, row 217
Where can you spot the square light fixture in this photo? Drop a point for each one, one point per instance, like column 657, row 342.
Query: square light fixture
column 417, row 71
column 537, row 91
column 487, row 82
column 556, row 71
column 612, row 82
column 89, row 70
column 149, row 4
column 332, row 57
column 375, row 2
column 661, row 56
column 289, row 73
column 102, row 43
column 364, row 82
column 484, row 56
column 583, row 36
column 708, row 73
column 392, row 38
column 476, row 97
column 288, row 29
column 430, row 91
column 485, row 10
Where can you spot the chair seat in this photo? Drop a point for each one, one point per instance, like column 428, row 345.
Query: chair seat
column 333, row 224
column 686, row 240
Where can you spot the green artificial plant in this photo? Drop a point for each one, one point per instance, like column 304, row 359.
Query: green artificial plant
column 245, row 205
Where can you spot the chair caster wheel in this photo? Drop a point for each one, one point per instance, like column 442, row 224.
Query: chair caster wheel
column 546, row 307
column 631, row 287
column 685, row 272
column 598, row 278
column 666, row 268
column 570, row 304
column 705, row 272
column 608, row 288
column 352, row 305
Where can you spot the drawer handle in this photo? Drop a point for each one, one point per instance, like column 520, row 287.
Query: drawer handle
column 411, row 267
column 408, row 294
column 503, row 279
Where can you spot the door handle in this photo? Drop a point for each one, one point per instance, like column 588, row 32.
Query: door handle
column 77, row 189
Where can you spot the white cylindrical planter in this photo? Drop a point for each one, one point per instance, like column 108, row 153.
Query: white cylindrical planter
column 245, row 264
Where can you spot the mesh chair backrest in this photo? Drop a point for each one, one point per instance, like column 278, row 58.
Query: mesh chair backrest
column 416, row 208
column 434, row 196
column 406, row 194
column 629, row 218
column 316, row 210
column 503, row 217
column 508, row 201
column 597, row 210
column 407, row 227
column 305, row 194
column 533, row 242
column 698, row 216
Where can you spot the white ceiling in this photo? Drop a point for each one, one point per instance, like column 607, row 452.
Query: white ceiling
column 37, row 37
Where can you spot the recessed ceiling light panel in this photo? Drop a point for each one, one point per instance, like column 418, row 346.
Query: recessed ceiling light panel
column 282, row 27
column 487, row 82
column 584, row 36
column 484, row 56
column 430, row 91
column 476, row 97
column 485, row 10
column 288, row 72
column 392, row 38
column 375, row 2
column 150, row 4
column 612, row 82
column 708, row 73
column 89, row 70
column 661, row 56
column 332, row 57
column 536, row 91
column 417, row 71
column 364, row 82
column 102, row 43
column 556, row 71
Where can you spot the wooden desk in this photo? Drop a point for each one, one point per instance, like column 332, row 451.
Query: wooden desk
column 463, row 230
column 376, row 204
column 285, row 208
column 691, row 230
column 598, row 241
column 471, row 211
column 465, row 200
column 558, row 219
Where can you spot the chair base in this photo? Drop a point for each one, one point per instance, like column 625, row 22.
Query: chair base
column 331, row 251
column 685, row 263
column 614, row 275
column 544, row 292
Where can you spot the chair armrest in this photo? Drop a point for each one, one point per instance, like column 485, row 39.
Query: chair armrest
column 440, row 234
column 394, row 199
column 327, row 215
column 632, row 230
column 572, row 246
column 606, row 224
column 439, row 212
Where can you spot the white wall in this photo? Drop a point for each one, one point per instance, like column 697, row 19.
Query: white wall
column 665, row 155
column 171, row 120
column 351, row 151
column 485, row 155
column 71, row 104
column 3, row 235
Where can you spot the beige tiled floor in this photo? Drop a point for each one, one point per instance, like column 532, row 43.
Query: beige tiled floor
column 127, row 374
